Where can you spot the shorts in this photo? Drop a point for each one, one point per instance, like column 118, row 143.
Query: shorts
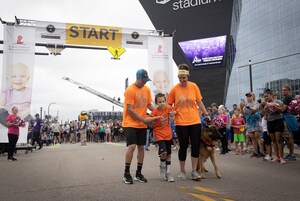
column 276, row 126
column 164, row 146
column 136, row 136
column 267, row 138
column 239, row 137
column 56, row 134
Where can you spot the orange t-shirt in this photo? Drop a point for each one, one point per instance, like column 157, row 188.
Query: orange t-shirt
column 184, row 100
column 162, row 129
column 139, row 98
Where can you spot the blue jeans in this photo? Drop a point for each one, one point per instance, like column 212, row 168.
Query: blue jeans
column 147, row 139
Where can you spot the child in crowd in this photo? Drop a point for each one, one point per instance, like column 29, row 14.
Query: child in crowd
column 163, row 115
column 266, row 135
column 174, row 137
column 223, row 118
column 238, row 125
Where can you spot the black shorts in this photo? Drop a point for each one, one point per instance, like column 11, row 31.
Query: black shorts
column 135, row 135
column 56, row 134
column 164, row 146
column 267, row 138
column 276, row 126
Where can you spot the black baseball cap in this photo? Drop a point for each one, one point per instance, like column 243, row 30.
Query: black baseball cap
column 143, row 75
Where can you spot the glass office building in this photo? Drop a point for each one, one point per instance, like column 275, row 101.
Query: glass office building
column 269, row 36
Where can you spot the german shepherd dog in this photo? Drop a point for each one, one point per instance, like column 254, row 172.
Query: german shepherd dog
column 209, row 136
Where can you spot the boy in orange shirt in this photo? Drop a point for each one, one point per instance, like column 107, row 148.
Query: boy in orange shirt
column 163, row 115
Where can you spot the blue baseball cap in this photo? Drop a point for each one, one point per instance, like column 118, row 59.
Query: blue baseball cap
column 143, row 75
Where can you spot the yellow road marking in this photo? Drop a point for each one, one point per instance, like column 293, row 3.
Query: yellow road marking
column 202, row 197
column 205, row 190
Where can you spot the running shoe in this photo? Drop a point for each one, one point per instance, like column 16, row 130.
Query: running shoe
column 127, row 178
column 139, row 177
column 182, row 176
column 169, row 178
column 254, row 155
column 260, row 155
column 282, row 161
column 195, row 176
column 275, row 159
column 290, row 157
column 163, row 172
column 267, row 157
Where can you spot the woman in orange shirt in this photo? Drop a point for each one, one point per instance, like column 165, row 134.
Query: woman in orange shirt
column 186, row 98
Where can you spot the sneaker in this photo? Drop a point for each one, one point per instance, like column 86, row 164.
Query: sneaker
column 217, row 149
column 13, row 159
column 163, row 172
column 254, row 155
column 260, row 155
column 147, row 149
column 267, row 157
column 282, row 161
column 139, row 177
column 9, row 159
column 275, row 159
column 127, row 178
column 290, row 157
column 169, row 178
column 182, row 176
column 195, row 176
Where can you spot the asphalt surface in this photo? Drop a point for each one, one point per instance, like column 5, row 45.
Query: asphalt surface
column 94, row 172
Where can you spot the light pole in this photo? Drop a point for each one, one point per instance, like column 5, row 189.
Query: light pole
column 49, row 108
column 41, row 111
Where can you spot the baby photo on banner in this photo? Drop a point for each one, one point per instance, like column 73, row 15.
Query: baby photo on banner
column 17, row 74
column 160, row 64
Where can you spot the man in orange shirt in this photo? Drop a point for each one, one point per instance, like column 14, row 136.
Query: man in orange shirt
column 137, row 101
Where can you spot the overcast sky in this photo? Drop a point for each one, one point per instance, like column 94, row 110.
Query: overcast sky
column 93, row 68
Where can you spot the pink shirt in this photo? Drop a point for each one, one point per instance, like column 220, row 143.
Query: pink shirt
column 12, row 129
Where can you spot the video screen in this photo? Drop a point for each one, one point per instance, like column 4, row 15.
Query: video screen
column 205, row 52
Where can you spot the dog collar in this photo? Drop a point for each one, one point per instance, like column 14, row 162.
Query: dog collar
column 208, row 144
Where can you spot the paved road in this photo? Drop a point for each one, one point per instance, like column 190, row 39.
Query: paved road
column 94, row 172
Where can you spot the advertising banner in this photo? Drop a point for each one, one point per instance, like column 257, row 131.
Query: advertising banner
column 16, row 86
column 205, row 52
column 135, row 38
column 50, row 32
column 83, row 34
column 94, row 35
column 160, row 64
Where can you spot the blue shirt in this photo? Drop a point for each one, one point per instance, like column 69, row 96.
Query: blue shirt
column 38, row 123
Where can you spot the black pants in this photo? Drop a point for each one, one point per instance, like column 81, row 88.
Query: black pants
column 12, row 141
column 186, row 134
column 36, row 138
column 224, row 141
